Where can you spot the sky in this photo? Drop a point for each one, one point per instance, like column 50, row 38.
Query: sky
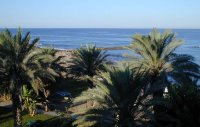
column 100, row 13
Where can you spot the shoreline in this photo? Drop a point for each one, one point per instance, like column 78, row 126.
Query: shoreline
column 103, row 48
column 67, row 53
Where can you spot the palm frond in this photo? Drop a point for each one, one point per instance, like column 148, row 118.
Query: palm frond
column 155, row 53
column 88, row 60
column 116, row 92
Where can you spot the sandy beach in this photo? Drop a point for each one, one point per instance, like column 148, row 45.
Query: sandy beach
column 67, row 54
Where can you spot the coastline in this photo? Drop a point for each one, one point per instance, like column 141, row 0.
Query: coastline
column 67, row 53
column 103, row 48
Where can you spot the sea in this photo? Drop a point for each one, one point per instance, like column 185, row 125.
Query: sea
column 72, row 38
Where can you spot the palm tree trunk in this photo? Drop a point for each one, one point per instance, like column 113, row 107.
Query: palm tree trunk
column 157, row 94
column 17, row 109
column 46, row 103
column 123, row 114
column 16, row 100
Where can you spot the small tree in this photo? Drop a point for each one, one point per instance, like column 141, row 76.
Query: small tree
column 87, row 61
column 29, row 99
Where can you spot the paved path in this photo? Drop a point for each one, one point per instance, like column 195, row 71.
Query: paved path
column 6, row 104
column 50, row 113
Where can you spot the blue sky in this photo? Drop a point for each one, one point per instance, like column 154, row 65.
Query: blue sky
column 100, row 13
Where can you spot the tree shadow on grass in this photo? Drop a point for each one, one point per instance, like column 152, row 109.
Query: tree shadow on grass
column 57, row 122
column 5, row 113
column 74, row 86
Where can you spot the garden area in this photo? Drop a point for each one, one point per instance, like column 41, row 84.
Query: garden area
column 41, row 119
column 153, row 87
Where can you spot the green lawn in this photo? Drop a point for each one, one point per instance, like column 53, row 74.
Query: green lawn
column 6, row 119
column 75, row 87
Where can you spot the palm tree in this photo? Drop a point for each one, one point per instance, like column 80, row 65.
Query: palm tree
column 180, row 106
column 155, row 53
column 116, row 99
column 23, row 63
column 88, row 60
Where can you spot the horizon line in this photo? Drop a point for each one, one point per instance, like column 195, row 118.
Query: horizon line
column 92, row 28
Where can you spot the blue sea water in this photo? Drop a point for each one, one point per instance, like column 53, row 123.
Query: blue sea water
column 73, row 38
